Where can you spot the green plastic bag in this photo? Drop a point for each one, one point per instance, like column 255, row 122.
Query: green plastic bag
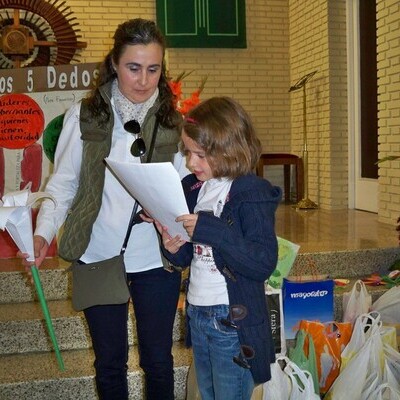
column 307, row 362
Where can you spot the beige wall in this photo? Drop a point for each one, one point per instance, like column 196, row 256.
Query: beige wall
column 286, row 40
column 388, row 27
column 318, row 42
column 257, row 76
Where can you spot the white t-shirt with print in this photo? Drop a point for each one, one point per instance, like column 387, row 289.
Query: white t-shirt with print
column 207, row 285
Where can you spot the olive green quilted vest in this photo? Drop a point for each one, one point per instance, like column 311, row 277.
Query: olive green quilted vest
column 96, row 146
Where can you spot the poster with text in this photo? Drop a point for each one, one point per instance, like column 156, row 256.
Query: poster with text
column 32, row 104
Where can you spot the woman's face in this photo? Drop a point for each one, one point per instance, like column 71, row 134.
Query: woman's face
column 139, row 71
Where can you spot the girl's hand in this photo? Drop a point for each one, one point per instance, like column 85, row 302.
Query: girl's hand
column 171, row 244
column 189, row 222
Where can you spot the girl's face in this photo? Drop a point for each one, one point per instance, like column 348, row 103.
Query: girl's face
column 196, row 160
column 139, row 71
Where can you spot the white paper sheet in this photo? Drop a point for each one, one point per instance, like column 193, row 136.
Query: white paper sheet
column 158, row 189
column 16, row 217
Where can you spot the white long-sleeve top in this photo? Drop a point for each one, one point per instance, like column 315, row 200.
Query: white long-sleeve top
column 110, row 227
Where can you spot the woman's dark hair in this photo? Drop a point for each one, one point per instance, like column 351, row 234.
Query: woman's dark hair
column 133, row 32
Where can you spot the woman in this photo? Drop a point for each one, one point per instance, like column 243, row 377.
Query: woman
column 132, row 100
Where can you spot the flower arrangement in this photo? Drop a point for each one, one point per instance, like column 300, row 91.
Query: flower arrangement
column 181, row 104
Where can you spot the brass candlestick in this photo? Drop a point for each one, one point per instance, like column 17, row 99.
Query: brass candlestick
column 305, row 203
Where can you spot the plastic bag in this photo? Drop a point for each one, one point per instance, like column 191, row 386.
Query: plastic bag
column 388, row 334
column 304, row 356
column 372, row 382
column 355, row 377
column 279, row 386
column 356, row 302
column 330, row 339
column 302, row 383
column 364, row 327
column 372, row 363
column 391, row 370
column 388, row 305
column 375, row 367
column 289, row 382
column 384, row 392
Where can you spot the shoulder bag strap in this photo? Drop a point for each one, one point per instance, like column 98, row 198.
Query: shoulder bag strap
column 135, row 206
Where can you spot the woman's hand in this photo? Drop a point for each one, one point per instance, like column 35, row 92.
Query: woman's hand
column 40, row 248
column 145, row 216
column 189, row 222
column 171, row 244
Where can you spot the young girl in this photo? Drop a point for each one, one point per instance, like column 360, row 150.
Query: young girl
column 233, row 250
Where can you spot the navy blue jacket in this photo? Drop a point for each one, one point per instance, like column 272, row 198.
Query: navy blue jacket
column 245, row 250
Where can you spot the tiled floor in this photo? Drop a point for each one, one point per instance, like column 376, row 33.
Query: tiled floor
column 322, row 230
column 314, row 230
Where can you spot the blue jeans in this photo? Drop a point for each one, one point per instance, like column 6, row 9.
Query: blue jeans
column 155, row 295
column 214, row 346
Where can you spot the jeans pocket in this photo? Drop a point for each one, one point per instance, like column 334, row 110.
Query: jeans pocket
column 224, row 328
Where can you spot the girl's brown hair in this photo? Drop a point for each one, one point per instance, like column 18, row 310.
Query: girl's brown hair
column 224, row 130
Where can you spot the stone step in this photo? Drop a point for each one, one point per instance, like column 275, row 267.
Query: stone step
column 56, row 282
column 23, row 328
column 36, row 376
column 346, row 263
column 15, row 286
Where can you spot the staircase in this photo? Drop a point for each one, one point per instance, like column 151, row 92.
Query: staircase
column 28, row 366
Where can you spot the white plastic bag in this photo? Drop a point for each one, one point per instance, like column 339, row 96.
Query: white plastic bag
column 391, row 370
column 289, row 382
column 279, row 386
column 302, row 383
column 371, row 384
column 365, row 326
column 351, row 381
column 388, row 305
column 356, row 302
column 384, row 392
column 375, row 366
